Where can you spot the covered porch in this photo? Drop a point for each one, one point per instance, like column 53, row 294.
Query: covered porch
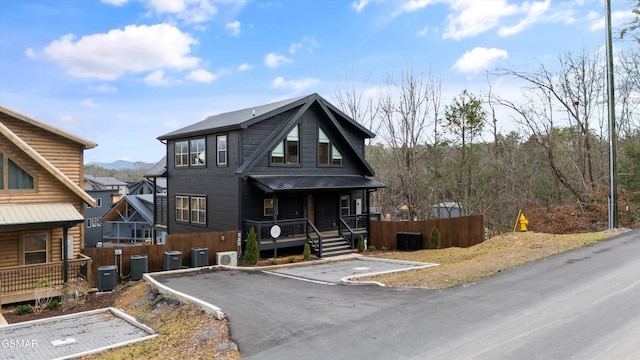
column 328, row 212
column 39, row 248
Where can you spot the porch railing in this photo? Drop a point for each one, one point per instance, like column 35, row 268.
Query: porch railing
column 356, row 221
column 25, row 278
column 346, row 232
column 317, row 245
column 291, row 230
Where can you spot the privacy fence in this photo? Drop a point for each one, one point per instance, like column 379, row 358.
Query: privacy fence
column 213, row 241
column 462, row 231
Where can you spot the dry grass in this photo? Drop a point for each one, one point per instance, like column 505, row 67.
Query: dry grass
column 462, row 265
column 184, row 331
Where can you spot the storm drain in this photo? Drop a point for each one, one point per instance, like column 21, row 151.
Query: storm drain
column 71, row 336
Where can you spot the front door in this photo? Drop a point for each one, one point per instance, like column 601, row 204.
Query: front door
column 310, row 209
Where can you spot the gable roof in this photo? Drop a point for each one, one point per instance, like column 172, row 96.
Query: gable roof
column 17, row 141
column 143, row 204
column 159, row 169
column 84, row 142
column 244, row 118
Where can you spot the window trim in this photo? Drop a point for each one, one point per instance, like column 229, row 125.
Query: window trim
column 197, row 152
column 182, row 210
column 24, row 252
column 183, row 155
column 348, row 207
column 268, row 204
column 202, row 212
column 284, row 146
column 219, row 160
column 332, row 149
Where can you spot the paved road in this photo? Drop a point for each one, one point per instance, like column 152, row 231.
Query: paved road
column 584, row 304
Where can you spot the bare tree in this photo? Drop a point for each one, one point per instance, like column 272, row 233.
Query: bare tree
column 357, row 102
column 406, row 111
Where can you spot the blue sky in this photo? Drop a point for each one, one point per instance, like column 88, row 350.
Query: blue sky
column 123, row 72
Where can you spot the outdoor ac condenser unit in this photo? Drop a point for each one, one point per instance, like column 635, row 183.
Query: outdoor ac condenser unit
column 229, row 258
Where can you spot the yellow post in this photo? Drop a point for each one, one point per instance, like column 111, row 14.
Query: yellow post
column 517, row 220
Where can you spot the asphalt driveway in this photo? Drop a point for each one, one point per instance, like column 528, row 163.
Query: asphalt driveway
column 580, row 304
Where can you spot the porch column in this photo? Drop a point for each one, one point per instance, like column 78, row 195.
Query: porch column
column 367, row 199
column 65, row 265
column 275, row 220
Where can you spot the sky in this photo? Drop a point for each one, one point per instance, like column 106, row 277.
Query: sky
column 123, row 72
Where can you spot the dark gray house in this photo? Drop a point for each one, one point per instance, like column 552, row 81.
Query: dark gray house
column 105, row 198
column 294, row 170
column 129, row 222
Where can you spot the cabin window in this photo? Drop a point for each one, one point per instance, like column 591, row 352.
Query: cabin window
column 268, row 207
column 345, row 205
column 34, row 248
column 199, row 210
column 182, row 153
column 327, row 152
column 16, row 177
column 198, row 152
column 182, row 208
column 222, row 149
column 288, row 150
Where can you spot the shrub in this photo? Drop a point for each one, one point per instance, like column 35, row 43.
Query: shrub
column 54, row 304
column 361, row 243
column 274, row 261
column 372, row 248
column 434, row 239
column 384, row 248
column 252, row 251
column 24, row 309
column 306, row 253
column 292, row 259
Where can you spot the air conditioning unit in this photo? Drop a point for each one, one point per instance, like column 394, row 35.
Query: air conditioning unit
column 229, row 258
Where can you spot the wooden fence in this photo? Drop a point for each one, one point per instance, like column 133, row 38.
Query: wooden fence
column 155, row 253
column 463, row 231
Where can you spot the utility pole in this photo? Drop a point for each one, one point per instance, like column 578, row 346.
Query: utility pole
column 613, row 195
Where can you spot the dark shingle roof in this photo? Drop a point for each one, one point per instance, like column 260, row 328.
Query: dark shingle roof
column 271, row 183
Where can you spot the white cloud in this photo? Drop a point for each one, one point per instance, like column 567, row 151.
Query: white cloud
column 297, row 84
column 115, row 2
column 135, row 49
column 478, row 59
column 30, row 53
column 157, row 79
column 470, row 18
column 413, row 5
column 274, row 60
column 203, row 76
column 104, row 88
column 307, row 43
column 535, row 11
column 618, row 18
column 245, row 67
column 191, row 11
column 359, row 5
column 89, row 103
column 424, row 31
column 233, row 28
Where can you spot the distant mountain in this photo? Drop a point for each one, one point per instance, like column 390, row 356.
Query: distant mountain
column 122, row 165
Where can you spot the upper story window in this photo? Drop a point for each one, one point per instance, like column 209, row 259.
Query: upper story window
column 191, row 152
column 12, row 176
column 288, row 150
column 222, row 149
column 198, row 150
column 182, row 153
column 327, row 152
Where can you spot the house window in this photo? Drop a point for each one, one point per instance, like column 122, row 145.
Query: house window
column 17, row 178
column 199, row 210
column 345, row 205
column 182, row 153
column 268, row 207
column 198, row 152
column 182, row 208
column 327, row 152
column 148, row 234
column 222, row 149
column 34, row 248
column 288, row 150
column 98, row 202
